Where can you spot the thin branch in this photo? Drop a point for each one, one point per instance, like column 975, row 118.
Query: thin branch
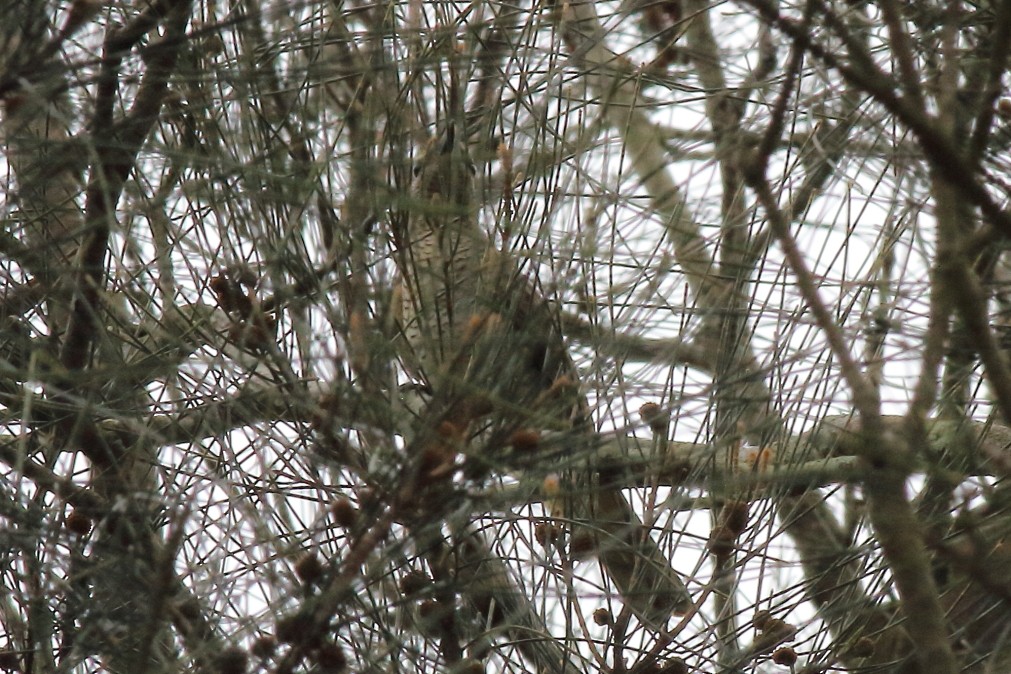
column 902, row 49
column 939, row 149
column 865, row 395
column 996, row 65
column 891, row 514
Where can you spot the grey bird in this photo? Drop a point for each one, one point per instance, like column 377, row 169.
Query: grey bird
column 488, row 344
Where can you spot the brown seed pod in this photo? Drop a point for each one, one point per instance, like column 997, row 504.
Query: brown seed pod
column 735, row 516
column 78, row 523
column 654, row 416
column 10, row 661
column 435, row 617
column 1004, row 107
column 562, row 385
column 428, row 609
column 785, row 656
column 547, row 533
column 674, row 666
column 230, row 297
column 602, row 616
column 525, row 440
column 344, row 512
column 264, row 647
column 368, row 497
column 583, row 545
column 415, row 582
column 438, row 461
column 231, row 661
column 261, row 333
column 308, row 568
column 190, row 609
column 294, row 628
column 775, row 633
column 721, row 541
column 331, row 659
column 761, row 619
column 779, row 627
column 648, row 667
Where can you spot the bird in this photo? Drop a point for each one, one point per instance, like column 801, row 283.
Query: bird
column 488, row 344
